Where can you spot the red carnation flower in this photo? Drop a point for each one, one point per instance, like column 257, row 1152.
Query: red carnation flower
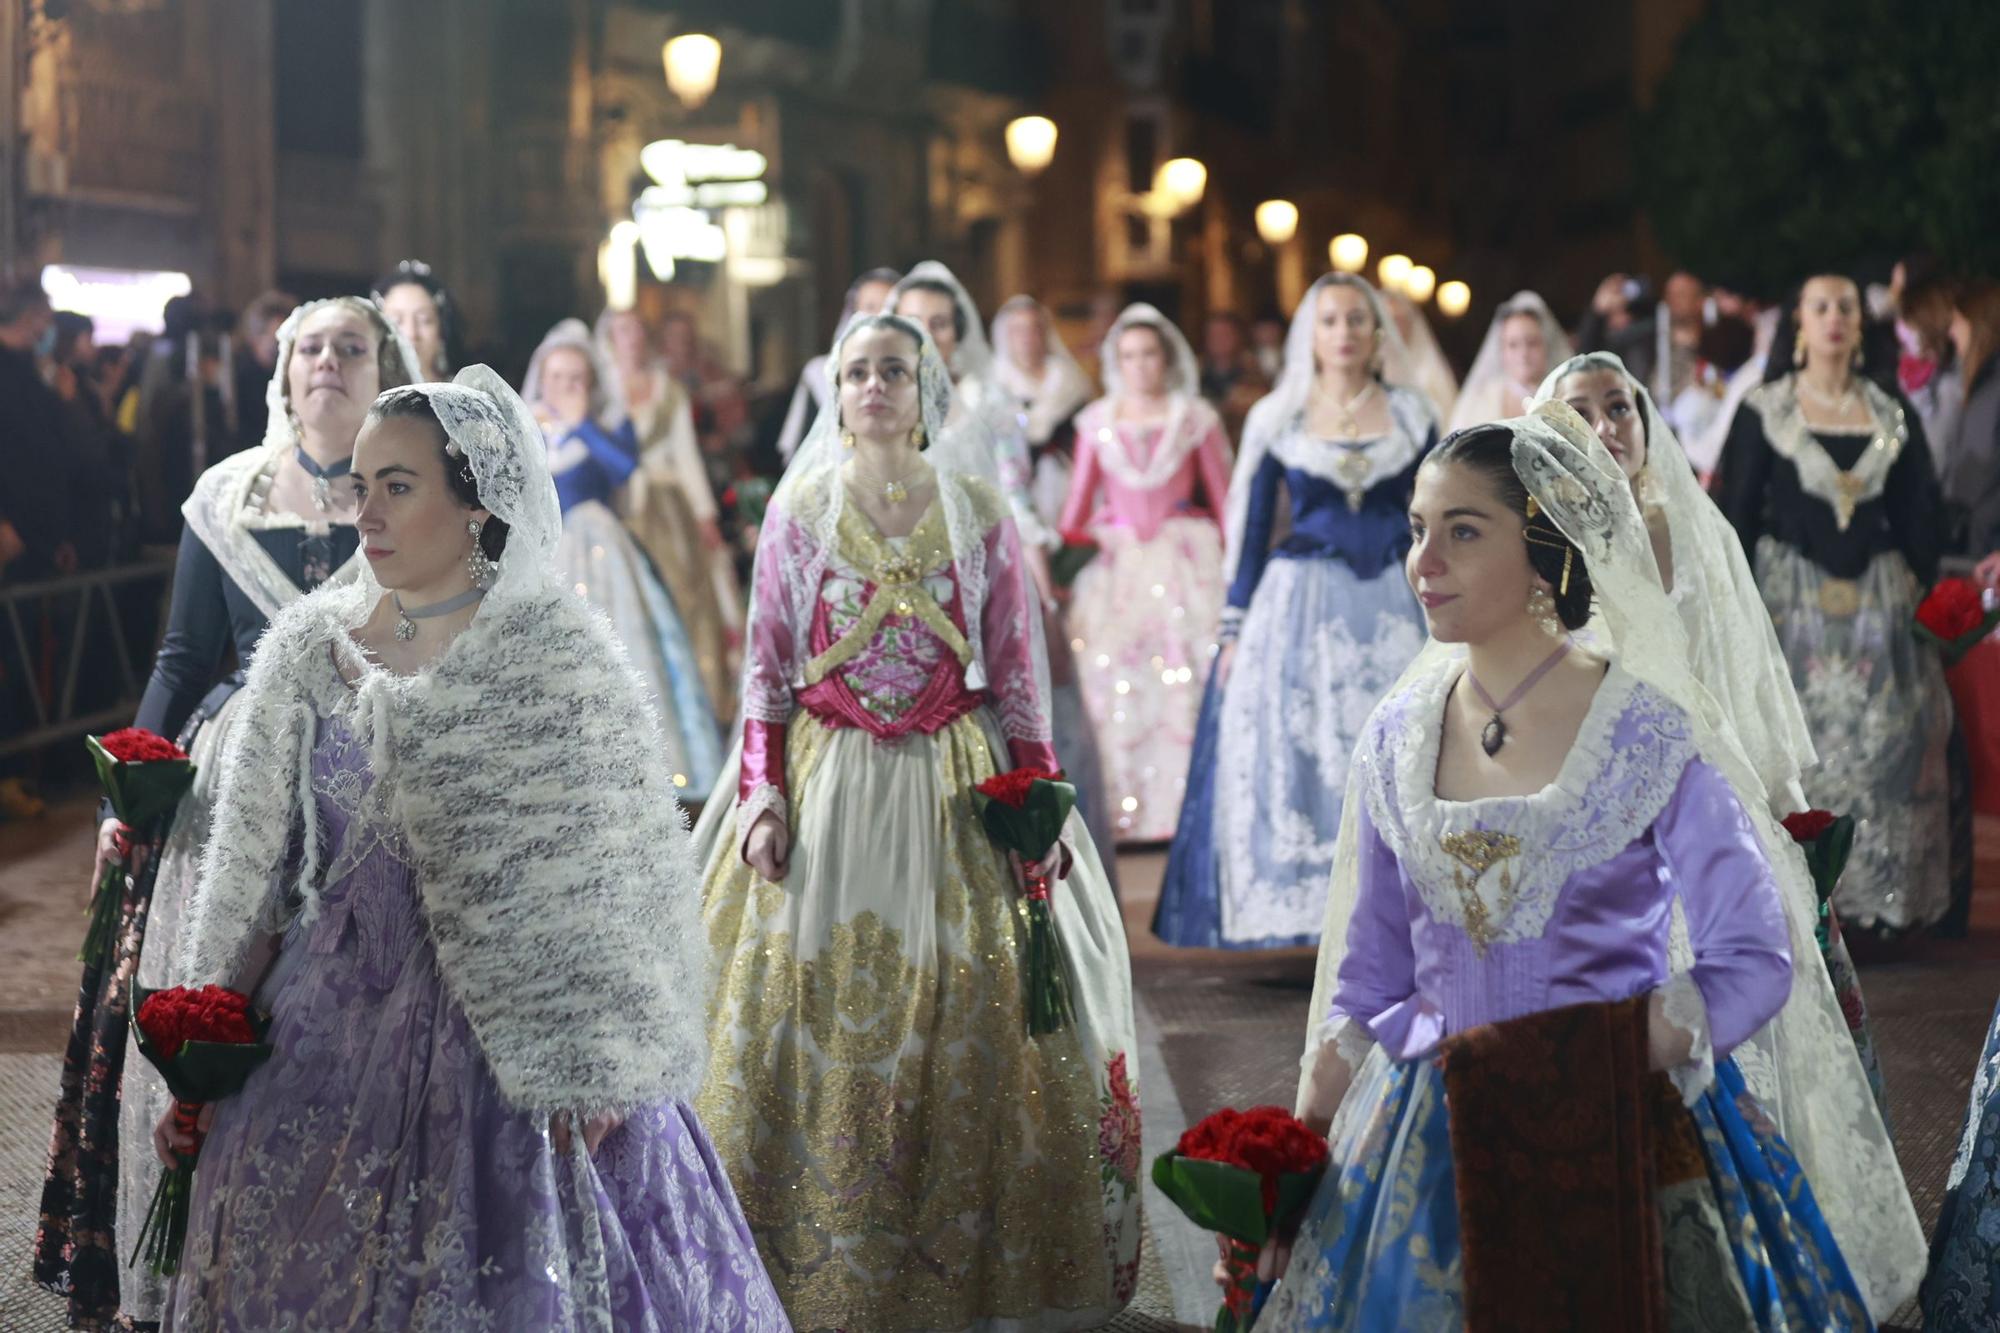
column 1952, row 610
column 136, row 745
column 1011, row 788
column 1807, row 825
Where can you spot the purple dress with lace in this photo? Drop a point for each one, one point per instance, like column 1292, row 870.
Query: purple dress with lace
column 370, row 1175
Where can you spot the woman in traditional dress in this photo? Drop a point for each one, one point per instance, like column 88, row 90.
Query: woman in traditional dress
column 668, row 502
column 935, row 299
column 1538, row 826
column 866, row 295
column 423, row 312
column 1521, row 343
column 1047, row 388
column 1152, row 477
column 1731, row 644
column 1318, row 627
column 1828, row 482
column 465, row 899
column 908, row 1156
column 566, row 389
column 264, row 527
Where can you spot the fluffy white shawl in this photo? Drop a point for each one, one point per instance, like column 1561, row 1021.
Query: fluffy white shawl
column 524, row 769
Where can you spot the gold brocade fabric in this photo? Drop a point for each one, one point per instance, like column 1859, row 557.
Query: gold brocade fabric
column 657, row 512
column 907, row 1157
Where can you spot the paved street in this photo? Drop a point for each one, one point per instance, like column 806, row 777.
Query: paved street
column 1216, row 1029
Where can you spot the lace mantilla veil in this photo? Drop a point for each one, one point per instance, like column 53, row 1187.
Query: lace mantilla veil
column 811, row 497
column 1487, row 373
column 1802, row 1066
column 1272, row 414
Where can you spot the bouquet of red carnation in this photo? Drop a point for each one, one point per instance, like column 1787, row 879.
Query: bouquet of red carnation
column 1955, row 617
column 144, row 776
column 1828, row 840
column 205, row 1041
column 1245, row 1175
column 1024, row 811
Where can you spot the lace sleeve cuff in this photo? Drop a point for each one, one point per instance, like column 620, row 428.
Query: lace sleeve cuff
column 760, row 799
column 1680, row 1032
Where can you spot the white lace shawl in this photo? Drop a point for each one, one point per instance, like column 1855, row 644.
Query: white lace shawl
column 553, row 862
column 224, row 513
column 1777, row 405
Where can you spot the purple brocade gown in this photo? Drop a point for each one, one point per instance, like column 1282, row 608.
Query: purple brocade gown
column 371, row 1176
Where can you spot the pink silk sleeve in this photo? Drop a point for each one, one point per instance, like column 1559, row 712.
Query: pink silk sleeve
column 1212, row 457
column 1009, row 642
column 1082, row 482
column 768, row 658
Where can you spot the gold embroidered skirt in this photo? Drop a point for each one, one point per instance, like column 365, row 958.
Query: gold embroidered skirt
column 907, row 1156
column 657, row 512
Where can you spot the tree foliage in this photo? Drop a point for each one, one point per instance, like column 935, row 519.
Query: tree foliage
column 1800, row 134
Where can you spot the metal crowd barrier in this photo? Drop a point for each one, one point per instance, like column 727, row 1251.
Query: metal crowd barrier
column 90, row 600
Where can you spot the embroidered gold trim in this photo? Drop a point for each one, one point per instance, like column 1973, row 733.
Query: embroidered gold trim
column 899, row 587
column 1478, row 851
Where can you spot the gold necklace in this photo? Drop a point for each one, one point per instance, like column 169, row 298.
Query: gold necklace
column 1349, row 413
column 1837, row 406
column 894, row 491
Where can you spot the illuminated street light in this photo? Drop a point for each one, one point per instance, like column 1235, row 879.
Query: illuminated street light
column 1393, row 271
column 1348, row 251
column 693, row 60
column 1277, row 221
column 1031, row 144
column 1181, row 181
column 1419, row 283
column 1454, row 299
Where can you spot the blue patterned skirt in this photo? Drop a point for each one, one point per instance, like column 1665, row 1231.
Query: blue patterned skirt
column 1962, row 1292
column 1379, row 1247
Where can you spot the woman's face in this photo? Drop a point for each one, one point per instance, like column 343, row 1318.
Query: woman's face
column 566, row 383
column 413, row 528
column 1142, row 360
column 1524, row 350
column 627, row 333
column 1468, row 561
column 1344, row 331
column 937, row 313
column 1027, row 347
column 871, row 298
column 1604, row 398
column 1830, row 316
column 415, row 314
column 878, row 384
column 334, row 373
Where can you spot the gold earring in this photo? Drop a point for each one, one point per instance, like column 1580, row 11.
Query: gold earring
column 1799, row 348
column 917, row 435
column 1858, row 358
column 1543, row 608
column 847, row 439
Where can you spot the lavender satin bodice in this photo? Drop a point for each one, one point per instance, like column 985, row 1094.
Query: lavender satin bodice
column 1472, row 912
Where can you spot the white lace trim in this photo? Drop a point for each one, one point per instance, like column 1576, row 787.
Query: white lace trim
column 1189, row 420
column 1682, row 1008
column 1358, row 466
column 1602, row 798
column 1777, row 404
column 222, row 514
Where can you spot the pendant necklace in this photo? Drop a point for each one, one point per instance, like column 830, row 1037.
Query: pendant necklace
column 1494, row 734
column 322, row 477
column 896, row 491
column 1349, row 413
column 408, row 616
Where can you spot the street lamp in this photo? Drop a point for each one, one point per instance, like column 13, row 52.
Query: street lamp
column 1419, row 283
column 1454, row 299
column 1180, row 182
column 1392, row 272
column 618, row 265
column 1277, row 221
column 1348, row 251
column 1031, row 144
column 693, row 60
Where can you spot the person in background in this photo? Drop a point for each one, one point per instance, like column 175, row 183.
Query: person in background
column 721, row 409
column 91, row 456
column 1970, row 459
column 1228, row 376
column 254, row 357
column 866, row 295
column 1267, row 345
column 418, row 304
column 1104, row 311
column 36, row 538
column 1927, row 366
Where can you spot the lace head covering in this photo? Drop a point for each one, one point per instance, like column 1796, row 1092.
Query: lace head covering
column 395, row 363
column 486, row 424
column 1273, row 414
column 1183, row 371
column 1055, row 392
column 1732, row 645
column 972, row 357
column 1430, row 372
column 573, row 334
column 1487, row 381
column 1802, row 1066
